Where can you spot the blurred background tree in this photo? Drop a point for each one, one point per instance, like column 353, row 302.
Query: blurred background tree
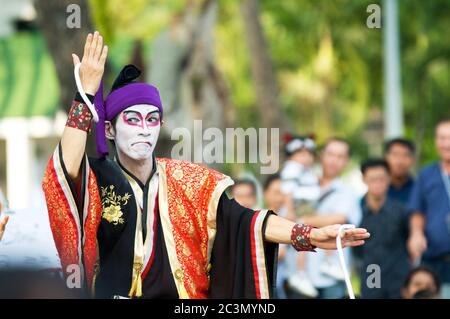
column 62, row 41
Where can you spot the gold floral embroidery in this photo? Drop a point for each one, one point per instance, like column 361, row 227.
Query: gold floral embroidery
column 178, row 174
column 111, row 204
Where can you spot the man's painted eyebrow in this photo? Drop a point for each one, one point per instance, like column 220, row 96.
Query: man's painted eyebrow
column 137, row 112
column 131, row 111
column 155, row 111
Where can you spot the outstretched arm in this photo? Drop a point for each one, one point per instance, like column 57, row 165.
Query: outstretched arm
column 278, row 230
column 73, row 140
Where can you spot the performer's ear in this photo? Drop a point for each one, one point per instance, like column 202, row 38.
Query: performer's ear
column 110, row 133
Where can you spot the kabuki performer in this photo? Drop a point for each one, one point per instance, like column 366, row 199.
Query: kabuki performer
column 146, row 227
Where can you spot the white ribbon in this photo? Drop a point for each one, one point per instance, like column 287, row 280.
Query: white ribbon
column 342, row 228
column 91, row 107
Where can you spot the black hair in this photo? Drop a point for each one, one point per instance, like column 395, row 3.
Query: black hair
column 270, row 179
column 340, row 140
column 400, row 141
column 374, row 162
column 245, row 182
column 127, row 75
column 412, row 273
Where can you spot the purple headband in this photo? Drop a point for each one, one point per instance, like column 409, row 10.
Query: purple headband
column 117, row 101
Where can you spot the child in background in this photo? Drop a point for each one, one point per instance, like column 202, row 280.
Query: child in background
column 298, row 177
column 301, row 186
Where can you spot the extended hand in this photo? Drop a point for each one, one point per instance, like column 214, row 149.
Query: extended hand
column 3, row 222
column 325, row 237
column 92, row 63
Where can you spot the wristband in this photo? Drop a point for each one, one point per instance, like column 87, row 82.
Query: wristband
column 300, row 237
column 79, row 117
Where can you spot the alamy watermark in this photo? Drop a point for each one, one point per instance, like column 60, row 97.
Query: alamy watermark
column 73, row 20
column 73, row 276
column 374, row 279
column 234, row 145
column 374, row 19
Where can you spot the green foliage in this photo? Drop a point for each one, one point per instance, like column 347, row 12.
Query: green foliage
column 328, row 64
column 23, row 61
column 425, row 49
column 140, row 19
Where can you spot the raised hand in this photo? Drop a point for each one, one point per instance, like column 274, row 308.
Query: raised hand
column 92, row 63
column 325, row 237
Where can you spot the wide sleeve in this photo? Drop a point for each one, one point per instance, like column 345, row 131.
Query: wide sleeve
column 243, row 263
column 74, row 214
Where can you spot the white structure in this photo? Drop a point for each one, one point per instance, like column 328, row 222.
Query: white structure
column 29, row 141
column 393, row 111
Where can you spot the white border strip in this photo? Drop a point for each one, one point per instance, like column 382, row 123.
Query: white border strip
column 260, row 256
column 151, row 216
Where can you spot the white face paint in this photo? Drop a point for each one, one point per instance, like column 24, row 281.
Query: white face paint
column 137, row 130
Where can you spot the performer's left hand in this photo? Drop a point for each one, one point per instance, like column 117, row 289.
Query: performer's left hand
column 325, row 237
column 3, row 222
